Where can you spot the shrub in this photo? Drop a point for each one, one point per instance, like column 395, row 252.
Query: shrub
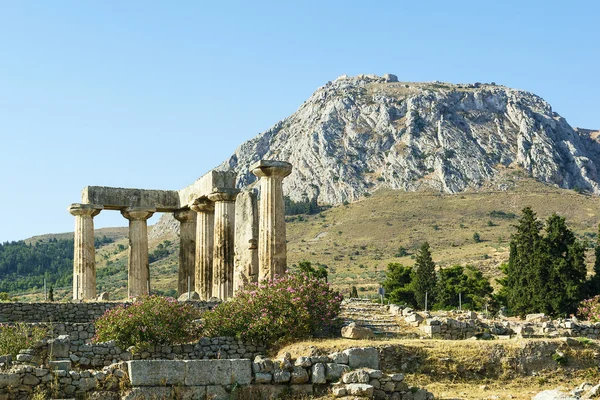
column 14, row 338
column 589, row 309
column 150, row 320
column 287, row 308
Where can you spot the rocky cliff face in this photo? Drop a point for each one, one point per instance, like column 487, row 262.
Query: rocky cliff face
column 357, row 134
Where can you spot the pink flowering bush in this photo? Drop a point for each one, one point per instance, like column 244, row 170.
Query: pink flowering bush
column 590, row 309
column 150, row 320
column 291, row 307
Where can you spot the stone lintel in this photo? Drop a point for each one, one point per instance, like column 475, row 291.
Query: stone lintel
column 271, row 168
column 203, row 204
column 206, row 185
column 112, row 198
column 85, row 209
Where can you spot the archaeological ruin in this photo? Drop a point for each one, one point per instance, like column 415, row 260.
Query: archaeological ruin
column 228, row 237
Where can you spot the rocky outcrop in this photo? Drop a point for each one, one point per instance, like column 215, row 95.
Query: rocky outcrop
column 357, row 134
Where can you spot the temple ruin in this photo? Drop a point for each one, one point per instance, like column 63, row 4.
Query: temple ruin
column 228, row 237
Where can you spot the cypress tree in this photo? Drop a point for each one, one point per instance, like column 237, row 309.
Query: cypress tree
column 424, row 280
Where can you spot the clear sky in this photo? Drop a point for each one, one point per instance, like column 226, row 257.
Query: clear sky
column 153, row 94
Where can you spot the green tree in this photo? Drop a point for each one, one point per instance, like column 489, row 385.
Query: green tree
column 466, row 281
column 424, row 278
column 545, row 273
column 593, row 285
column 476, row 237
column 320, row 272
column 397, row 284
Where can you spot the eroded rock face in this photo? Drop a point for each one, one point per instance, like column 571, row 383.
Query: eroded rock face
column 357, row 134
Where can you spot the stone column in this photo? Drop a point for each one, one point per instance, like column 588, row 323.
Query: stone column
column 187, row 249
column 223, row 250
column 272, row 248
column 246, row 240
column 84, row 256
column 138, row 276
column 204, row 246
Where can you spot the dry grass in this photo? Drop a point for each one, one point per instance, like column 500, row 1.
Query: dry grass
column 463, row 370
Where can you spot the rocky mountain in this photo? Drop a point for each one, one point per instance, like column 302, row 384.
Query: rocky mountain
column 357, row 134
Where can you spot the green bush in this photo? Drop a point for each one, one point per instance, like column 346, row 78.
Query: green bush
column 14, row 338
column 287, row 308
column 150, row 320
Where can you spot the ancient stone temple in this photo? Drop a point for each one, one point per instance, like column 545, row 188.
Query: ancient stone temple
column 228, row 238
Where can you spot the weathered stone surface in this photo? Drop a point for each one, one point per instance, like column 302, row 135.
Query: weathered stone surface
column 356, row 376
column 536, row 317
column 156, row 372
column 299, row 375
column 246, row 239
column 59, row 347
column 187, row 250
column 303, row 362
column 353, row 331
column 272, row 247
column 84, row 262
column 339, row 358
column 192, row 296
column 207, row 184
column 223, row 245
column 334, row 371
column 360, row 389
column 363, row 357
column 318, row 373
column 555, row 394
column 205, row 223
column 281, row 376
column 138, row 267
column 9, row 380
column 112, row 198
column 262, row 377
column 262, row 364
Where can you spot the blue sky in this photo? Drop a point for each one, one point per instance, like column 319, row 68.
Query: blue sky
column 154, row 94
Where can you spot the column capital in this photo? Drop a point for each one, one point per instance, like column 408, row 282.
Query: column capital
column 78, row 209
column 185, row 215
column 138, row 213
column 271, row 168
column 203, row 205
column 224, row 194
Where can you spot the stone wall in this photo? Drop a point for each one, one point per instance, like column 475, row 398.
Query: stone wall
column 65, row 312
column 350, row 372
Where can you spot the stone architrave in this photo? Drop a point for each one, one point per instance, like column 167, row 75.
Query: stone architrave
column 246, row 239
column 187, row 249
column 272, row 248
column 84, row 256
column 138, row 279
column 204, row 246
column 223, row 246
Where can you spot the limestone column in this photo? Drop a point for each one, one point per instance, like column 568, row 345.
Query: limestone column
column 138, row 275
column 223, row 250
column 84, row 256
column 272, row 248
column 246, row 240
column 204, row 247
column 187, row 249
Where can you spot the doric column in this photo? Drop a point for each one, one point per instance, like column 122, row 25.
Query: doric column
column 223, row 250
column 187, row 249
column 84, row 257
column 138, row 276
column 204, row 246
column 246, row 240
column 272, row 248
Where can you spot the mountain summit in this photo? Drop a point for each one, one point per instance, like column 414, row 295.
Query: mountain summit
column 357, row 134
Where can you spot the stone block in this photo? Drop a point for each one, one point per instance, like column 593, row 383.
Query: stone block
column 156, row 372
column 360, row 389
column 299, row 375
column 318, row 373
column 217, row 392
column 63, row 365
column 241, row 371
column 303, row 362
column 281, row 376
column 353, row 331
column 359, row 357
column 262, row 377
column 339, row 358
column 59, row 347
column 431, row 329
column 357, row 376
column 334, row 372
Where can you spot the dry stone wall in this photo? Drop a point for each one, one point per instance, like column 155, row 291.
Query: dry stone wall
column 65, row 312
